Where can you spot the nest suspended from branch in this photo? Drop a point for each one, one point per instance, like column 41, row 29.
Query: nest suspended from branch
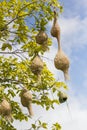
column 37, row 65
column 61, row 62
column 5, row 110
column 41, row 37
column 62, row 97
column 26, row 100
column 55, row 30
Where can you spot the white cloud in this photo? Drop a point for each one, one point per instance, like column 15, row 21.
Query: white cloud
column 73, row 33
column 78, row 121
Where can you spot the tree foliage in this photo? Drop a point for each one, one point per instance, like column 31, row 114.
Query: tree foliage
column 20, row 21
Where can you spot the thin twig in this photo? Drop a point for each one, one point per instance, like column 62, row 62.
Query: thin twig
column 5, row 27
column 16, row 82
column 46, row 58
column 10, row 80
column 26, row 6
column 13, row 52
column 14, row 32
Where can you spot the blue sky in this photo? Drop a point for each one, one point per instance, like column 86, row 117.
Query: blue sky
column 73, row 24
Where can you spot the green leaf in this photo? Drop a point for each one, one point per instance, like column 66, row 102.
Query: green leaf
column 33, row 126
column 6, row 45
column 11, row 92
column 61, row 84
column 44, row 125
column 56, row 126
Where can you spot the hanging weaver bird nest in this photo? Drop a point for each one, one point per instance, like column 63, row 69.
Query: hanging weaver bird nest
column 37, row 65
column 26, row 100
column 5, row 110
column 62, row 97
column 41, row 37
column 55, row 30
column 61, row 62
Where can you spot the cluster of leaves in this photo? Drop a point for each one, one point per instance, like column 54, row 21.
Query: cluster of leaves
column 39, row 124
column 17, row 39
column 4, row 125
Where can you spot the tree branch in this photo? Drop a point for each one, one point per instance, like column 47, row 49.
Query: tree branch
column 13, row 52
column 46, row 58
column 26, row 6
column 4, row 28
column 11, row 81
column 14, row 32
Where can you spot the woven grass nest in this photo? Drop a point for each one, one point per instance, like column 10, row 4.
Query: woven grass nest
column 62, row 97
column 26, row 100
column 41, row 37
column 37, row 65
column 61, row 62
column 5, row 109
column 55, row 30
